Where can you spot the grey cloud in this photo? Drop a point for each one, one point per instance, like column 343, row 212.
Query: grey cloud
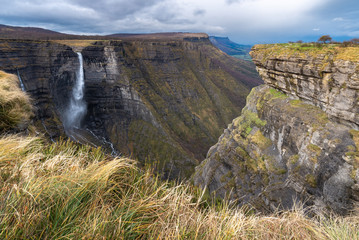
column 232, row 1
column 117, row 9
column 246, row 21
column 75, row 15
column 199, row 12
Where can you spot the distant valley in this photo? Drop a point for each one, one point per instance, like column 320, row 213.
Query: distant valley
column 163, row 99
column 231, row 48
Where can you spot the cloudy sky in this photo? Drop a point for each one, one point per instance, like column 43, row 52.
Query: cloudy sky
column 244, row 21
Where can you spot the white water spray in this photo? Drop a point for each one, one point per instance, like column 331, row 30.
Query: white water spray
column 22, row 86
column 77, row 108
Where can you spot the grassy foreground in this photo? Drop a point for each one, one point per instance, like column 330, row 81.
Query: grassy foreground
column 68, row 191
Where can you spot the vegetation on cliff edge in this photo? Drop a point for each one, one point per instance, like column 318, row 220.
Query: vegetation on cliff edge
column 15, row 106
column 338, row 51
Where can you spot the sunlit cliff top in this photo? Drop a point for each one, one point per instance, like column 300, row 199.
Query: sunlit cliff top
column 336, row 51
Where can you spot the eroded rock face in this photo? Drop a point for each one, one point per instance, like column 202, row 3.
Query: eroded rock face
column 325, row 80
column 163, row 102
column 281, row 151
column 48, row 73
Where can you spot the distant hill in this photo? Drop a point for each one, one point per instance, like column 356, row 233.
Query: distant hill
column 232, row 48
column 32, row 33
column 158, row 36
column 10, row 32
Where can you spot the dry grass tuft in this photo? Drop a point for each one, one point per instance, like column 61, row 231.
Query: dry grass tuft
column 15, row 106
column 69, row 191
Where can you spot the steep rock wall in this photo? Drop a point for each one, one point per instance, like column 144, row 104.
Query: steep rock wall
column 172, row 96
column 328, row 79
column 288, row 145
column 161, row 101
column 48, row 73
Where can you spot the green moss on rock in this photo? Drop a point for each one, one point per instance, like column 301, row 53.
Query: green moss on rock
column 311, row 180
column 260, row 140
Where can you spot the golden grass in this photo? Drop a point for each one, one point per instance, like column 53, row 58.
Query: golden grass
column 15, row 106
column 68, row 191
column 76, row 43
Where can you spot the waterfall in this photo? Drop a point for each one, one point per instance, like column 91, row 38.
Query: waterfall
column 75, row 112
column 22, row 86
column 77, row 107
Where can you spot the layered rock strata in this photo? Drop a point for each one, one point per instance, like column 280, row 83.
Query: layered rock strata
column 328, row 78
column 162, row 101
column 289, row 144
column 48, row 72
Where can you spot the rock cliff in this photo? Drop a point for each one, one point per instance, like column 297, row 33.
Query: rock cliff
column 296, row 140
column 48, row 73
column 163, row 101
column 328, row 77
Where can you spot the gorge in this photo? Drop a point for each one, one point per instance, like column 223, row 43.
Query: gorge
column 161, row 99
column 164, row 99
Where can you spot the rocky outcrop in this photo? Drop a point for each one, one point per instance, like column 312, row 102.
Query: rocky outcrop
column 328, row 78
column 288, row 145
column 162, row 101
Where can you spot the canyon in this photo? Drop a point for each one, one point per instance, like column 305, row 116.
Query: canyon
column 296, row 140
column 162, row 99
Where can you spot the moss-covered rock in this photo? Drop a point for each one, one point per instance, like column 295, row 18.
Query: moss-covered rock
column 280, row 151
column 324, row 75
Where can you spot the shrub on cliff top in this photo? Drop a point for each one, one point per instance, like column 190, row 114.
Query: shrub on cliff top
column 15, row 107
column 325, row 38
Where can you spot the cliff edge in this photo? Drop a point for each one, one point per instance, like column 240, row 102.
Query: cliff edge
column 326, row 76
column 296, row 140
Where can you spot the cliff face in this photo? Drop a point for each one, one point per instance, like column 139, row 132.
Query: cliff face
column 161, row 101
column 328, row 78
column 48, row 73
column 290, row 144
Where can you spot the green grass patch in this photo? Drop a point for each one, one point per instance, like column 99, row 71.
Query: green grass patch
column 277, row 94
column 314, row 148
column 260, row 140
column 247, row 121
column 311, row 180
